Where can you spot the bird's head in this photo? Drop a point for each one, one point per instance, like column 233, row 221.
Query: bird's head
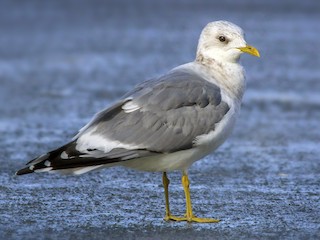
column 224, row 42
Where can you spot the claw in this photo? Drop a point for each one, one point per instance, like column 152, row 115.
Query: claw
column 188, row 217
column 192, row 219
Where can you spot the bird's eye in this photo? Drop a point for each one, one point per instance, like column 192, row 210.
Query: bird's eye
column 222, row 38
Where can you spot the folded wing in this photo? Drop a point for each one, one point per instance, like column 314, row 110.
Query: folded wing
column 163, row 115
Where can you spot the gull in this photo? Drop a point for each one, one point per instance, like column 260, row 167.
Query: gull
column 166, row 123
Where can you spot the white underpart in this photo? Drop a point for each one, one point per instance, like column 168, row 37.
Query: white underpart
column 180, row 160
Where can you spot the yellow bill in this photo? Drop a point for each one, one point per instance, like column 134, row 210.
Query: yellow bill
column 251, row 50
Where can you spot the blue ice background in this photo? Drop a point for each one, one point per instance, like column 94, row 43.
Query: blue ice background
column 62, row 61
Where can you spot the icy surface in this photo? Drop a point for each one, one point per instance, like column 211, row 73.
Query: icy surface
column 62, row 62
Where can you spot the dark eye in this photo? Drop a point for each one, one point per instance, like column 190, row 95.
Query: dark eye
column 222, row 38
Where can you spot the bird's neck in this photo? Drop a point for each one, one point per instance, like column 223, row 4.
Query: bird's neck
column 229, row 75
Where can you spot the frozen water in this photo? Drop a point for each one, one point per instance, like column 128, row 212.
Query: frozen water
column 61, row 62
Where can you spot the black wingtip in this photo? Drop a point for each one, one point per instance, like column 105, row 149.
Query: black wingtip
column 23, row 171
column 38, row 163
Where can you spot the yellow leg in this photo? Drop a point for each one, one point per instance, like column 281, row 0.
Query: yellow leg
column 166, row 183
column 189, row 215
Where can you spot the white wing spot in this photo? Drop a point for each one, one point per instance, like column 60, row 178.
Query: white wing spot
column 64, row 155
column 130, row 107
column 47, row 163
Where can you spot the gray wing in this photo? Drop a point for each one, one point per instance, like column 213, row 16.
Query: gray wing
column 162, row 115
column 159, row 116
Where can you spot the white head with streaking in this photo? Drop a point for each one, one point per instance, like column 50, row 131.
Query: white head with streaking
column 220, row 46
column 224, row 42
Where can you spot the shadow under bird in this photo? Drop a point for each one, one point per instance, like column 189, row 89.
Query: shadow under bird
column 167, row 123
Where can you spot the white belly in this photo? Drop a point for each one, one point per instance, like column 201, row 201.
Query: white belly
column 180, row 160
